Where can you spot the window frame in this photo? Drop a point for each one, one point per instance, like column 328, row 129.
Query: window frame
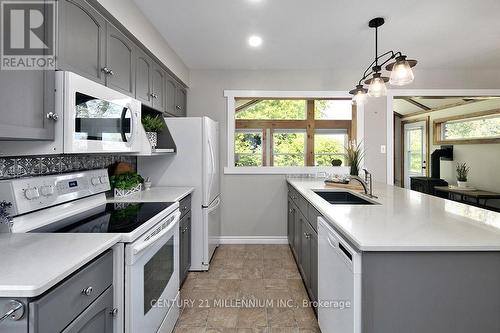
column 438, row 129
column 232, row 95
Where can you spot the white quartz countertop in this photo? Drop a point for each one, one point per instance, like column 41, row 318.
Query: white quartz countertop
column 407, row 221
column 157, row 194
column 31, row 264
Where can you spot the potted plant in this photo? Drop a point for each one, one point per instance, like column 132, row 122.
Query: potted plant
column 127, row 183
column 152, row 125
column 354, row 154
column 462, row 172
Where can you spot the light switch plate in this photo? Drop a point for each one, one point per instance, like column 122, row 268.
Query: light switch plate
column 382, row 149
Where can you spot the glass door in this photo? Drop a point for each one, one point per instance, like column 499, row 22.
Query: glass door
column 415, row 151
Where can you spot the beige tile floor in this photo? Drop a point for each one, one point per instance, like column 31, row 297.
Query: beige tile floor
column 249, row 288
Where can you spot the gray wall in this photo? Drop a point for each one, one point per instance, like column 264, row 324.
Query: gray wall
column 254, row 205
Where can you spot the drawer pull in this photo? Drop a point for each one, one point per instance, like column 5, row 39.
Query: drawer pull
column 87, row 291
column 307, row 235
column 14, row 310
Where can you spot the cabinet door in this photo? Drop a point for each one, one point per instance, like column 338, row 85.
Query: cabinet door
column 290, row 223
column 305, row 253
column 82, row 39
column 26, row 99
column 297, row 239
column 97, row 318
column 185, row 246
column 158, row 88
column 171, row 92
column 143, row 76
column 181, row 101
column 120, row 61
column 314, row 265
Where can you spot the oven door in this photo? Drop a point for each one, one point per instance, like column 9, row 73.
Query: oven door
column 152, row 276
column 97, row 119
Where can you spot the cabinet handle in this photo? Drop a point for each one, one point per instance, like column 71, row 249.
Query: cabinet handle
column 178, row 107
column 113, row 312
column 53, row 116
column 14, row 311
column 87, row 291
column 307, row 235
column 153, row 95
column 105, row 70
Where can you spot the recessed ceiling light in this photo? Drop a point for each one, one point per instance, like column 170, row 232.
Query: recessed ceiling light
column 255, row 41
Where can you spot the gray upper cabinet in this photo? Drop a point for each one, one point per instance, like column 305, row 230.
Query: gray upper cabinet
column 171, row 93
column 82, row 40
column 120, row 61
column 158, row 88
column 26, row 99
column 143, row 75
column 181, row 101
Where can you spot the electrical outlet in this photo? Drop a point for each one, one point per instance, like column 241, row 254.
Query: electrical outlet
column 382, row 149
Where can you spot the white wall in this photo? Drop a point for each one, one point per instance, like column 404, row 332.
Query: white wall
column 127, row 12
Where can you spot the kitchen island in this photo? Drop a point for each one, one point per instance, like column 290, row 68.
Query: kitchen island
column 425, row 264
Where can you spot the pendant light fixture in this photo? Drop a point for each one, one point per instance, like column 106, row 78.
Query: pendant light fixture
column 401, row 72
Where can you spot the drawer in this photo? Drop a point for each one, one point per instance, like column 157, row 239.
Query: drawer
column 313, row 215
column 61, row 305
column 302, row 204
column 185, row 205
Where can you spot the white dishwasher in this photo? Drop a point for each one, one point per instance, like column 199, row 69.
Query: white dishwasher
column 339, row 282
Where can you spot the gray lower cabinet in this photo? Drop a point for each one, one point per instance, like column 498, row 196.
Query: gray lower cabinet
column 81, row 40
column 184, row 238
column 96, row 318
column 120, row 61
column 26, row 98
column 303, row 239
column 82, row 303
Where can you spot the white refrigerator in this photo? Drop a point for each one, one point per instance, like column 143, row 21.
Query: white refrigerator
column 196, row 164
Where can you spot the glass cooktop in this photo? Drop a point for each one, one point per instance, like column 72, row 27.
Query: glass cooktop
column 118, row 217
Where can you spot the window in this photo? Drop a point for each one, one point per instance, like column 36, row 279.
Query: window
column 289, row 148
column 291, row 132
column 483, row 127
column 328, row 146
column 248, row 148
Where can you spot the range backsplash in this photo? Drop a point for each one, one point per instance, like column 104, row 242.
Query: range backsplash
column 26, row 166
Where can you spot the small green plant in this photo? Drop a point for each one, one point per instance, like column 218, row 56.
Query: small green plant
column 153, row 123
column 462, row 172
column 354, row 153
column 126, row 181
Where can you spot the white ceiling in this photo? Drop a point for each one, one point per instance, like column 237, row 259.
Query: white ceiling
column 327, row 34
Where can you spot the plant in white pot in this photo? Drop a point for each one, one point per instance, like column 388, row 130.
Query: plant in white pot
column 152, row 125
column 462, row 173
column 127, row 183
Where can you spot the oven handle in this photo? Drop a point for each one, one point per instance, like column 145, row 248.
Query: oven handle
column 141, row 247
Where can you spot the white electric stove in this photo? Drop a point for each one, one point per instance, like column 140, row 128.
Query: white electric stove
column 76, row 203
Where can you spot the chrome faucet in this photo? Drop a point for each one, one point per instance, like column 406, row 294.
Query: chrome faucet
column 367, row 183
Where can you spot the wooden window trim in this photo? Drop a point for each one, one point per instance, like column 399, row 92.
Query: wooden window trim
column 310, row 124
column 438, row 129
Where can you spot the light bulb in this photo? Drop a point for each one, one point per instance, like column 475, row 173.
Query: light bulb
column 377, row 87
column 359, row 98
column 401, row 73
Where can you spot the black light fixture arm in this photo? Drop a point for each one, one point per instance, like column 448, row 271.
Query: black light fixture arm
column 374, row 67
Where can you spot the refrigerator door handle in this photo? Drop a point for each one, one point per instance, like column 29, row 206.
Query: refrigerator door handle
column 214, row 205
column 212, row 165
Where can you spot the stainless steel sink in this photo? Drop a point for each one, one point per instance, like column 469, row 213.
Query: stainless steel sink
column 343, row 198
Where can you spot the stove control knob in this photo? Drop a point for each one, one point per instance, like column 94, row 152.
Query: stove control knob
column 31, row 193
column 103, row 179
column 95, row 181
column 47, row 191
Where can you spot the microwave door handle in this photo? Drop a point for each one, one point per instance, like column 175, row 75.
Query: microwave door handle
column 122, row 124
column 141, row 247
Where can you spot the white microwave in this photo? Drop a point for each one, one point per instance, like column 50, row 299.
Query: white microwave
column 96, row 119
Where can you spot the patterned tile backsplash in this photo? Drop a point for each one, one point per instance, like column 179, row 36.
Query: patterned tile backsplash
column 26, row 166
